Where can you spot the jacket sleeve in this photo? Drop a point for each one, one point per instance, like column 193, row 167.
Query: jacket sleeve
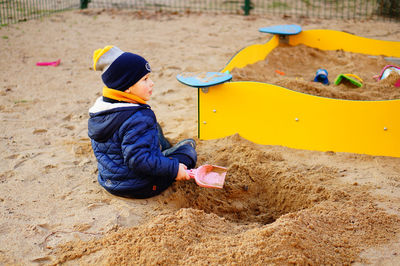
column 141, row 151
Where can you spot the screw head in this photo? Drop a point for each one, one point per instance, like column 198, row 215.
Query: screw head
column 204, row 89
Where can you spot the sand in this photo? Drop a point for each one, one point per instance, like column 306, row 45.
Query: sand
column 282, row 67
column 278, row 205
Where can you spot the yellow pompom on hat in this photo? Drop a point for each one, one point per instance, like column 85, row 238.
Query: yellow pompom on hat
column 102, row 58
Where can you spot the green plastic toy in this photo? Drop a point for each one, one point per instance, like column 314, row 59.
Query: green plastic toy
column 353, row 79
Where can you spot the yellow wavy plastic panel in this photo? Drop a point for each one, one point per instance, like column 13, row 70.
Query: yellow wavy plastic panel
column 252, row 54
column 334, row 40
column 272, row 115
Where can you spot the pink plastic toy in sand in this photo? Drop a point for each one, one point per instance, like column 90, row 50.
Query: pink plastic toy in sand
column 386, row 71
column 210, row 176
column 53, row 63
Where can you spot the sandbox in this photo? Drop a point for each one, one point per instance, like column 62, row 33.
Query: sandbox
column 274, row 115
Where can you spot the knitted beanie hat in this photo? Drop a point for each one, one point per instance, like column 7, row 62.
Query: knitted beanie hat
column 121, row 70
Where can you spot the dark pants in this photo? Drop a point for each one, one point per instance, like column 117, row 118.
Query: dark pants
column 184, row 150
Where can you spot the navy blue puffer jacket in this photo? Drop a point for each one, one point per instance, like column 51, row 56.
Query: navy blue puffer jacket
column 125, row 143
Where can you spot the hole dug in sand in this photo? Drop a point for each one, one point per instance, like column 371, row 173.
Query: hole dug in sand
column 272, row 210
column 259, row 186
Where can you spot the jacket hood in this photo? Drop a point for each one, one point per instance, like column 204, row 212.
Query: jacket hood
column 106, row 118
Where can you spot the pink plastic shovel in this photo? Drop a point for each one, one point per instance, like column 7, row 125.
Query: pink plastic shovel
column 210, row 176
column 54, row 63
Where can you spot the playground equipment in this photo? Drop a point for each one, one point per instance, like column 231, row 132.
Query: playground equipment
column 272, row 115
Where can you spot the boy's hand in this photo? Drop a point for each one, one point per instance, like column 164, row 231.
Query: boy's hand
column 182, row 174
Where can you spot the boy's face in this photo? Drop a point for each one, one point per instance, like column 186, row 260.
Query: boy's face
column 143, row 88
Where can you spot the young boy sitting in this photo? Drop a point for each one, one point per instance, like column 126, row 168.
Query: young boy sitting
column 134, row 159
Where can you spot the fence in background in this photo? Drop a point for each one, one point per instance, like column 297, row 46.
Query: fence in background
column 12, row 11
